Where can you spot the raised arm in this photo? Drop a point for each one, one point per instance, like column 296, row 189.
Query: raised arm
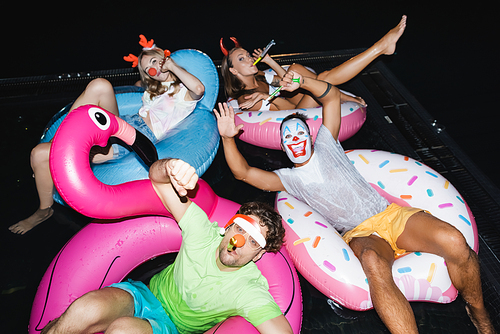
column 171, row 179
column 326, row 93
column 194, row 86
column 256, row 177
column 280, row 71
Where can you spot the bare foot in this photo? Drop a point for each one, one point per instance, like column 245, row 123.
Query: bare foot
column 27, row 224
column 356, row 99
column 480, row 319
column 387, row 44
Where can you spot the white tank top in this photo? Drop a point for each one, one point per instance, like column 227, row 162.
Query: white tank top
column 330, row 184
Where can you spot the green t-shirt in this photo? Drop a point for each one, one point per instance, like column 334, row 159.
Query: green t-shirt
column 197, row 295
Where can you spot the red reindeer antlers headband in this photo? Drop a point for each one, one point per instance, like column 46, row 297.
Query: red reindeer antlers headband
column 146, row 45
column 223, row 48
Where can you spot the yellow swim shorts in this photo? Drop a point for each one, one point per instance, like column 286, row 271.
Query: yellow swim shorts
column 389, row 224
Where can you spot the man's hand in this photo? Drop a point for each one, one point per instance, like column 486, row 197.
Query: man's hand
column 182, row 176
column 225, row 121
column 291, row 81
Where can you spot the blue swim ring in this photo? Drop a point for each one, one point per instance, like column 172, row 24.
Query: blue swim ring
column 194, row 140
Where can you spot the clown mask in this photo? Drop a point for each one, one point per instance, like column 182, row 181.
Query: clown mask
column 296, row 140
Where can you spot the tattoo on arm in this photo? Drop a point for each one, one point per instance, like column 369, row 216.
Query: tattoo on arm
column 275, row 82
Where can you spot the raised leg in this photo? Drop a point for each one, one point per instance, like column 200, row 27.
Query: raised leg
column 349, row 69
column 98, row 92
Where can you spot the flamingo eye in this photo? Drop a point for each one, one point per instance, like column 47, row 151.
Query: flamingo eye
column 100, row 118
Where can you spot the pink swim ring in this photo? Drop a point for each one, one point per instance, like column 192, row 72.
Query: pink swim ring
column 103, row 253
column 261, row 128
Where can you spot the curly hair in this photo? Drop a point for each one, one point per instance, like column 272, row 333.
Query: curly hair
column 269, row 218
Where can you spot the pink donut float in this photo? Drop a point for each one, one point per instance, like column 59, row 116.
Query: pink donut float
column 104, row 253
column 261, row 128
column 328, row 263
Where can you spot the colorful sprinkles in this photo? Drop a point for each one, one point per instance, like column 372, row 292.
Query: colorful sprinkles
column 330, row 266
column 383, row 164
column 432, row 270
column 265, row 121
column 300, row 241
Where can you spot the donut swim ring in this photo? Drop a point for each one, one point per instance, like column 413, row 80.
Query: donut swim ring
column 328, row 263
column 261, row 128
column 104, row 253
column 182, row 141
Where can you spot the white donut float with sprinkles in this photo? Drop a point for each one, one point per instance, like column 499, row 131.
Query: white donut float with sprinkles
column 328, row 263
column 261, row 128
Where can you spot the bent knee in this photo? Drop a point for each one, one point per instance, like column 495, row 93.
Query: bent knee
column 99, row 86
column 452, row 242
column 87, row 308
column 94, row 304
column 40, row 154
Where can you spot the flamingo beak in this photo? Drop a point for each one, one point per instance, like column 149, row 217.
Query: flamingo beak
column 144, row 149
column 137, row 141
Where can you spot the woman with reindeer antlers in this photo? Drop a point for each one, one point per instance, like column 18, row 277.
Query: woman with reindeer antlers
column 244, row 82
column 171, row 95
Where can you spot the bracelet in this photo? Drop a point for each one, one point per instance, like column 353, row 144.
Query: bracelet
column 328, row 88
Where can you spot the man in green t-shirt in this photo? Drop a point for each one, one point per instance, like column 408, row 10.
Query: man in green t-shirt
column 213, row 277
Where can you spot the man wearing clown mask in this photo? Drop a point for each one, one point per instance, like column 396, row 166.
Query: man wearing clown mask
column 213, row 277
column 296, row 140
column 325, row 179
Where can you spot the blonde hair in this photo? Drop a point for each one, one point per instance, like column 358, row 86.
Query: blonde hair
column 154, row 87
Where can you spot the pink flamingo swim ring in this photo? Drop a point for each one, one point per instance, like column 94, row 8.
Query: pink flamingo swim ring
column 328, row 263
column 261, row 128
column 104, row 253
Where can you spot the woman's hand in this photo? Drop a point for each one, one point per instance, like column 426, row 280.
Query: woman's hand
column 166, row 64
column 256, row 54
column 225, row 121
column 252, row 99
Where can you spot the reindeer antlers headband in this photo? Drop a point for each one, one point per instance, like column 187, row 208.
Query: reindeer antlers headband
column 146, row 45
column 223, row 48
